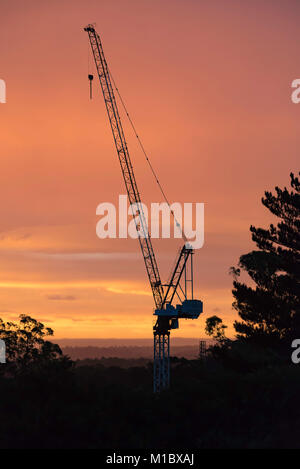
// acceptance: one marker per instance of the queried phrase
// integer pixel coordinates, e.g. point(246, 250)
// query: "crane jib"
point(126, 165)
point(167, 314)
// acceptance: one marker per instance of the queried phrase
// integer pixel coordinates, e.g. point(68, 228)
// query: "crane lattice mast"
point(167, 315)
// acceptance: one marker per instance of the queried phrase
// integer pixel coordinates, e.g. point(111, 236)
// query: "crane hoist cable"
point(90, 77)
point(145, 154)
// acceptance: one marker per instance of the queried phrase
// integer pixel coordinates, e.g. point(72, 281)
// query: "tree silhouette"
point(26, 345)
point(270, 310)
point(215, 328)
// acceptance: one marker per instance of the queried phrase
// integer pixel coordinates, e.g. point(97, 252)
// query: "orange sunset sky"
point(208, 85)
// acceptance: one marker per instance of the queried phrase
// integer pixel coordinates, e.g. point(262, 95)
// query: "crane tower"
point(167, 314)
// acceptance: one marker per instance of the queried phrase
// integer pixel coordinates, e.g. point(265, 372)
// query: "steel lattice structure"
point(167, 315)
point(125, 162)
point(161, 358)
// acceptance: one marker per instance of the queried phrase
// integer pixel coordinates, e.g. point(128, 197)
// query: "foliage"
point(270, 310)
point(208, 406)
point(215, 328)
point(26, 345)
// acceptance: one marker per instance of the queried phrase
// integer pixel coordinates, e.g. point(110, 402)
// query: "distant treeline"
point(208, 406)
point(81, 353)
point(113, 362)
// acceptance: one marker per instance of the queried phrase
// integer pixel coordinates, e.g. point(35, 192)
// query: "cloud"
point(14, 236)
point(61, 297)
point(128, 292)
point(87, 256)
point(87, 319)
point(15, 316)
point(23, 236)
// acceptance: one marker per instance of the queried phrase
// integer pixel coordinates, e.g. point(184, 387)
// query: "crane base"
point(161, 363)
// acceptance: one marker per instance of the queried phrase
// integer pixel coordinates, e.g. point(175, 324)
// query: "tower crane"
point(167, 314)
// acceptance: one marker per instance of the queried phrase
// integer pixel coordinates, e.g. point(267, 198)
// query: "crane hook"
point(91, 77)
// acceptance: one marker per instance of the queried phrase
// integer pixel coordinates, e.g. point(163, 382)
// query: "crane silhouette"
point(167, 314)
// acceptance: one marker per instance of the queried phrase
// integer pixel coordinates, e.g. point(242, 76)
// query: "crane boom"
point(167, 314)
point(126, 166)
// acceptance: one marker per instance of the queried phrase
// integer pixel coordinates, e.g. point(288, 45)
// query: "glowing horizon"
point(208, 87)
